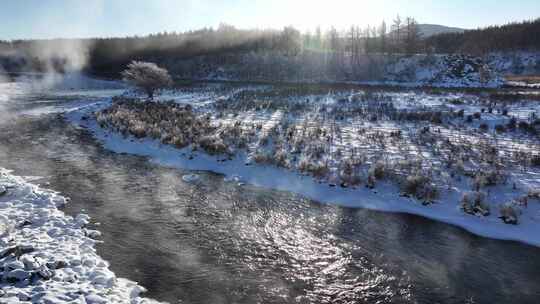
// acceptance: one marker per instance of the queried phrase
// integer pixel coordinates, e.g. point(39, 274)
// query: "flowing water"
point(214, 241)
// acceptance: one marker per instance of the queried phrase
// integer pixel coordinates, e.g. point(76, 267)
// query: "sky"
point(30, 19)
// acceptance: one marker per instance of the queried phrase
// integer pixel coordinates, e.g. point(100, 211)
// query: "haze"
point(35, 19)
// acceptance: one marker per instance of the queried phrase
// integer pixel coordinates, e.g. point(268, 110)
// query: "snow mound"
point(48, 256)
point(190, 178)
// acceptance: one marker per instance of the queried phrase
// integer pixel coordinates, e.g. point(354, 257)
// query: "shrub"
point(319, 170)
point(138, 130)
point(370, 183)
point(169, 122)
point(500, 129)
point(436, 118)
point(523, 125)
point(262, 158)
point(213, 145)
point(535, 160)
point(512, 123)
point(280, 158)
point(487, 178)
point(522, 200)
point(303, 164)
point(101, 119)
point(474, 203)
point(534, 194)
point(349, 174)
point(377, 170)
point(508, 214)
point(178, 140)
point(165, 138)
point(420, 187)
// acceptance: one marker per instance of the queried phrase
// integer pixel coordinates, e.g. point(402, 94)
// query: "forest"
point(515, 36)
point(401, 37)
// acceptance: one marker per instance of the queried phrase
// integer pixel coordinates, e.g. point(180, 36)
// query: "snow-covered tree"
point(146, 76)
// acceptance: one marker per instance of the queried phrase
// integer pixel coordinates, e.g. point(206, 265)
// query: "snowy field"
point(468, 160)
point(50, 257)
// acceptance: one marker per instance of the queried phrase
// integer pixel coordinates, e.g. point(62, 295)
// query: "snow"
point(447, 71)
point(516, 63)
point(418, 70)
point(50, 257)
point(384, 197)
point(190, 178)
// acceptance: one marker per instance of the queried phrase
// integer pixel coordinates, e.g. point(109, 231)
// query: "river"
point(214, 241)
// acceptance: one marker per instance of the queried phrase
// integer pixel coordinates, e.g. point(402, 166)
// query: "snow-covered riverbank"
point(385, 196)
point(50, 257)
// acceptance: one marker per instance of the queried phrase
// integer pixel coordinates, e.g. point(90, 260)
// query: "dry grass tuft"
point(420, 187)
point(474, 203)
point(509, 214)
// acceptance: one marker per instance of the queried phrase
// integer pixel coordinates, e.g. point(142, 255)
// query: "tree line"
point(516, 36)
point(402, 36)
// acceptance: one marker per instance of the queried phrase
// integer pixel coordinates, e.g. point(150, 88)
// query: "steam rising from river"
point(42, 64)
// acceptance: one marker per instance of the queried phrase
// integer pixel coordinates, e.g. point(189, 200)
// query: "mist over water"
point(216, 242)
point(43, 65)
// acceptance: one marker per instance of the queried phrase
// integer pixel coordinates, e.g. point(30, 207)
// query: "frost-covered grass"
point(49, 257)
point(434, 148)
point(171, 123)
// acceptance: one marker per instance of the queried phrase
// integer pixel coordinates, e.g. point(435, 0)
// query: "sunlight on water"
point(312, 258)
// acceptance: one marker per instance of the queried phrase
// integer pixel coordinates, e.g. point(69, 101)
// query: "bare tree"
point(291, 41)
point(307, 43)
point(334, 46)
point(146, 76)
point(367, 40)
point(413, 36)
point(318, 38)
point(382, 37)
point(354, 47)
point(351, 45)
point(396, 31)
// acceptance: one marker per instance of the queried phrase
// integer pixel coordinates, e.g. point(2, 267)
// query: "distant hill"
point(511, 37)
point(429, 30)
